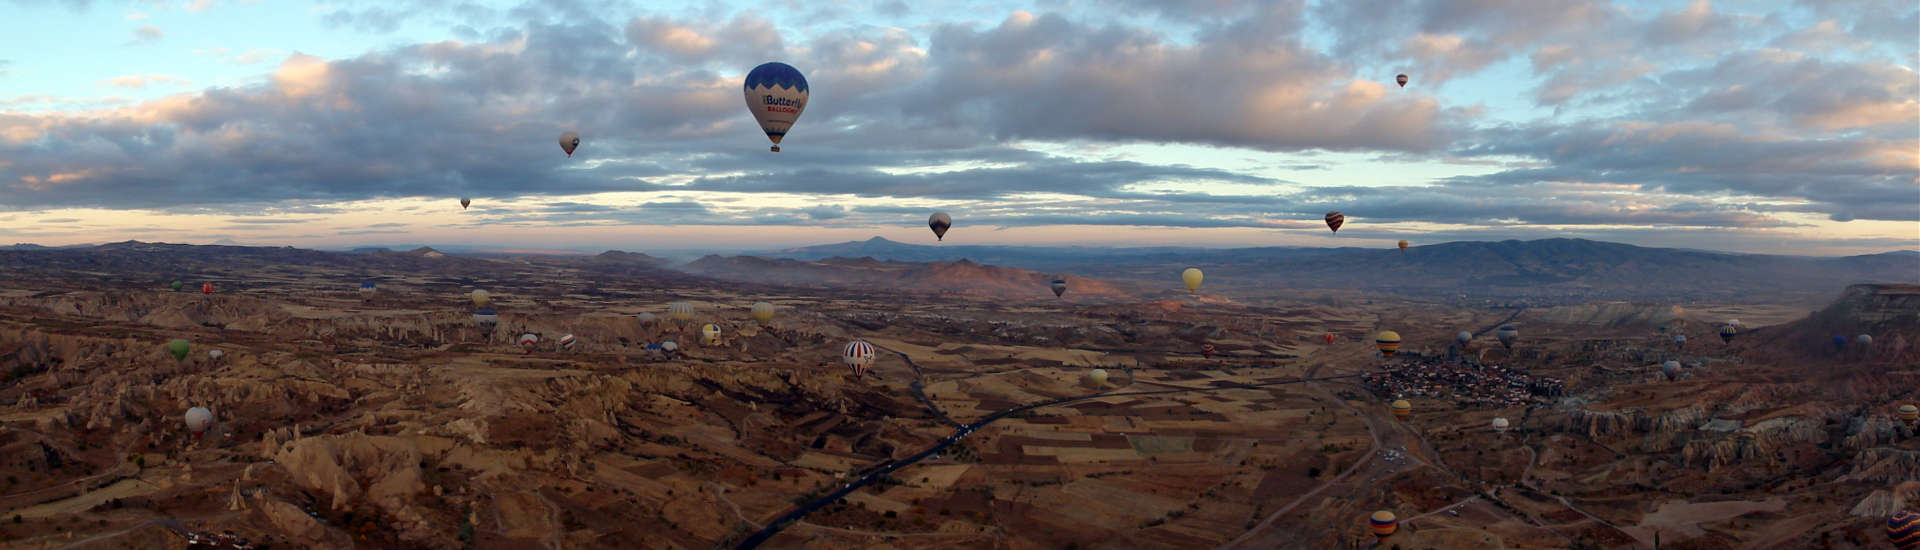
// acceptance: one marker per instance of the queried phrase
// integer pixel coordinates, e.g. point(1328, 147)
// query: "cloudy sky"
point(1790, 126)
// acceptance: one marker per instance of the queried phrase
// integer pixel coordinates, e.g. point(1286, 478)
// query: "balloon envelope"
point(1192, 277)
point(680, 312)
point(858, 356)
point(1507, 336)
point(481, 298)
point(1388, 341)
point(1463, 337)
point(776, 94)
point(1402, 408)
point(1903, 530)
point(1098, 376)
point(567, 341)
point(486, 318)
point(177, 285)
point(568, 142)
point(1335, 220)
point(1059, 287)
point(198, 418)
point(710, 334)
point(1382, 524)
point(1401, 79)
point(940, 222)
point(762, 312)
point(529, 340)
point(1500, 425)
point(179, 349)
point(1403, 246)
point(464, 202)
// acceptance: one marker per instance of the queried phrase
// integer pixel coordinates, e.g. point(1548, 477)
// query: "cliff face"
point(1887, 312)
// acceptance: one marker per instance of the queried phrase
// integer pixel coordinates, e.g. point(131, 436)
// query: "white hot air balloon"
point(528, 341)
point(568, 142)
point(215, 355)
point(680, 312)
point(776, 94)
point(1500, 425)
point(762, 312)
point(858, 356)
point(198, 418)
point(647, 319)
point(1098, 376)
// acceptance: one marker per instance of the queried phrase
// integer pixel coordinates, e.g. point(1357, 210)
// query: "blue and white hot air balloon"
point(776, 94)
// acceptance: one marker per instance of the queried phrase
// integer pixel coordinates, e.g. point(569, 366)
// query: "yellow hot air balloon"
point(481, 298)
point(1909, 414)
point(710, 334)
point(762, 312)
point(1402, 409)
point(1192, 277)
point(1098, 376)
point(1403, 246)
point(1389, 342)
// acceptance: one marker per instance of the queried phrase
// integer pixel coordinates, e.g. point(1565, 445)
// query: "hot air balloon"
point(1383, 524)
point(1335, 220)
point(940, 222)
point(680, 312)
point(1671, 369)
point(206, 288)
point(710, 335)
point(1507, 336)
point(858, 356)
point(1909, 414)
point(1206, 350)
point(485, 318)
point(647, 319)
point(1389, 342)
point(776, 94)
point(566, 341)
point(1726, 333)
point(1403, 245)
point(179, 349)
point(1192, 276)
point(762, 312)
point(1864, 340)
point(1903, 530)
point(1402, 409)
point(465, 202)
point(1499, 425)
point(568, 142)
point(1059, 287)
point(481, 298)
point(366, 289)
point(528, 341)
point(1839, 343)
point(1679, 340)
point(1098, 376)
point(177, 285)
point(198, 418)
point(1663, 329)
point(669, 346)
point(215, 355)
point(1327, 338)
point(1735, 323)
point(1463, 338)
point(1402, 79)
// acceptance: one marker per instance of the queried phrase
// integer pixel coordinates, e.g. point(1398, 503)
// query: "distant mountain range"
point(1541, 272)
point(1550, 270)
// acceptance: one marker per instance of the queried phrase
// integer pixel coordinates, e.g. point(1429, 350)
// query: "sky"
point(1750, 126)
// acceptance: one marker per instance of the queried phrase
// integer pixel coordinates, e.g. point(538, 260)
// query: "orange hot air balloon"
point(206, 288)
point(1383, 524)
point(1389, 342)
point(1402, 409)
point(1403, 246)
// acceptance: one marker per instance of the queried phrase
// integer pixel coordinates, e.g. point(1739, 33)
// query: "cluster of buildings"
point(1490, 385)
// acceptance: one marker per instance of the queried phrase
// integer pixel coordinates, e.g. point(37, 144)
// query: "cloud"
point(147, 34)
point(143, 80)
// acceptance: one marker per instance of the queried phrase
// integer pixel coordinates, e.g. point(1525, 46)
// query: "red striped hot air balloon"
point(858, 356)
point(1903, 530)
point(1206, 350)
point(1383, 523)
point(1401, 79)
point(1335, 220)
